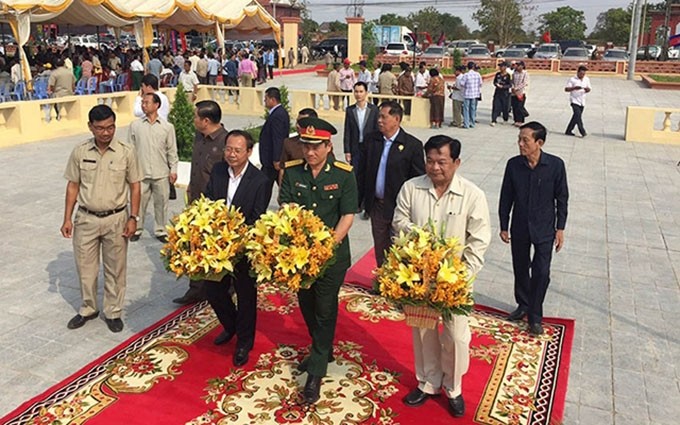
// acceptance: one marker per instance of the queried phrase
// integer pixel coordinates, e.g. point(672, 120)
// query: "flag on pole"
point(442, 39)
point(546, 37)
point(674, 40)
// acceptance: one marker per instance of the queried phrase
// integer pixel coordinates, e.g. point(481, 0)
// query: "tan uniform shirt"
point(62, 81)
point(156, 147)
point(202, 67)
point(292, 149)
point(207, 151)
point(462, 212)
point(333, 82)
point(103, 178)
point(387, 82)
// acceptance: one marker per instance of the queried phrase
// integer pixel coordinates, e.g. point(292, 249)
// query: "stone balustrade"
point(36, 120)
point(652, 125)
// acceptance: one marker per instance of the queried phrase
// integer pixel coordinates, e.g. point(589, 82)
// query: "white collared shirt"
point(234, 181)
point(361, 118)
point(578, 97)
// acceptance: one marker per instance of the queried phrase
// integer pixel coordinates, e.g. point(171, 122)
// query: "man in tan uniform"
point(101, 173)
point(61, 83)
point(156, 145)
point(333, 85)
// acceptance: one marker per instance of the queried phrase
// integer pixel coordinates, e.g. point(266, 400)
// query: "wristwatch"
point(135, 217)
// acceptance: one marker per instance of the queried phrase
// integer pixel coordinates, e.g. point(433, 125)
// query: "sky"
point(330, 10)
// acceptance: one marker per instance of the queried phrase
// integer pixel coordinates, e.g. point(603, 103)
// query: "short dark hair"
point(209, 109)
point(273, 93)
point(433, 72)
point(439, 141)
point(156, 98)
point(250, 143)
point(362, 84)
point(150, 80)
point(538, 129)
point(308, 112)
point(100, 113)
point(582, 68)
point(395, 108)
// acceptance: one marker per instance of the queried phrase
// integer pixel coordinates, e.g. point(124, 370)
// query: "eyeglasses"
point(100, 129)
point(234, 150)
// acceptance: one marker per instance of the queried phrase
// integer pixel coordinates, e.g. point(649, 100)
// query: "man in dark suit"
point(361, 119)
point(275, 129)
point(393, 156)
point(535, 191)
point(242, 185)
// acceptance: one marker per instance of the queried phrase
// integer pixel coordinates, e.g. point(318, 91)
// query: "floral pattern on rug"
point(139, 371)
point(271, 298)
point(372, 308)
point(351, 393)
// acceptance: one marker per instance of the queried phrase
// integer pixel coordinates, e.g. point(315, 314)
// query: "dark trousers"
point(319, 307)
point(518, 110)
point(501, 106)
point(240, 320)
point(532, 276)
point(358, 162)
point(576, 119)
point(212, 80)
point(381, 228)
point(270, 68)
point(272, 175)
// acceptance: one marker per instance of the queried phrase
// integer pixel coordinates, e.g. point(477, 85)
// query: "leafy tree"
point(182, 117)
point(565, 23)
point(369, 42)
point(309, 27)
point(502, 20)
point(393, 19)
point(435, 23)
point(337, 27)
point(613, 25)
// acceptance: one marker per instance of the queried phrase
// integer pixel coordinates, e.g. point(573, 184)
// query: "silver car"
point(547, 51)
point(435, 52)
point(615, 55)
point(576, 54)
point(478, 53)
point(515, 54)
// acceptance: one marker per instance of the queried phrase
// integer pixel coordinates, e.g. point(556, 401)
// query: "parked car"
point(399, 49)
point(528, 47)
point(478, 53)
point(615, 55)
point(648, 53)
point(461, 45)
point(434, 52)
point(576, 54)
point(591, 49)
point(548, 51)
point(515, 54)
point(674, 53)
point(329, 45)
point(567, 44)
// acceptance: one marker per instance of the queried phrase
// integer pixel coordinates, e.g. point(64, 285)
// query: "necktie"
point(380, 180)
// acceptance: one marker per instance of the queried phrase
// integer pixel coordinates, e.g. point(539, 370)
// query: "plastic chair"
point(81, 86)
point(4, 91)
point(40, 88)
point(19, 91)
point(91, 87)
point(173, 81)
point(108, 85)
point(121, 82)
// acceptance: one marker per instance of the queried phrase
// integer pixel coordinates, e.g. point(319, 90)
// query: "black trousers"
point(270, 68)
point(501, 106)
point(381, 229)
point(240, 320)
point(518, 110)
point(359, 162)
point(576, 119)
point(532, 275)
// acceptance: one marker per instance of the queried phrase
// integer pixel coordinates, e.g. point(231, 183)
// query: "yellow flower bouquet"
point(424, 273)
point(290, 248)
point(205, 241)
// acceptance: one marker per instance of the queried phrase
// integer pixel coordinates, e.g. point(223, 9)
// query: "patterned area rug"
point(172, 373)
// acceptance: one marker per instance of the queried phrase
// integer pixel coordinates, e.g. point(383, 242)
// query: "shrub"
point(182, 117)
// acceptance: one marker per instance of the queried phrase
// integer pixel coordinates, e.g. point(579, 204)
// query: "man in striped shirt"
point(472, 91)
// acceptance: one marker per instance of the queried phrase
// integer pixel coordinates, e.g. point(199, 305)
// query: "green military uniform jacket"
point(332, 194)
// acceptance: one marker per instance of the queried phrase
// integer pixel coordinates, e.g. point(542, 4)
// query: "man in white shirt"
point(422, 79)
point(213, 69)
point(459, 207)
point(150, 85)
point(189, 80)
point(577, 87)
point(364, 74)
point(194, 61)
point(15, 72)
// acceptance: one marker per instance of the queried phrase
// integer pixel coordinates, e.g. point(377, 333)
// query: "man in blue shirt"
point(535, 191)
point(270, 57)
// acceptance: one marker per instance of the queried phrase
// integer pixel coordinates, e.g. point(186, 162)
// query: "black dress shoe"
point(78, 320)
point(416, 398)
point(223, 338)
point(312, 391)
point(457, 406)
point(569, 133)
point(162, 238)
point(186, 299)
point(304, 364)
point(536, 329)
point(135, 237)
point(115, 325)
point(241, 356)
point(516, 315)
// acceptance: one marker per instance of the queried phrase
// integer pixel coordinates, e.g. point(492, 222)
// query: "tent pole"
point(99, 47)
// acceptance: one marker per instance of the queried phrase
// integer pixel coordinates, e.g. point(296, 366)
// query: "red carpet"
point(361, 272)
point(171, 373)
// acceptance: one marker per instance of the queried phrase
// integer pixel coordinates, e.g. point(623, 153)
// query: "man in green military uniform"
point(329, 189)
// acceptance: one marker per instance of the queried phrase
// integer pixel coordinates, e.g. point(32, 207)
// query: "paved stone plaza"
point(618, 274)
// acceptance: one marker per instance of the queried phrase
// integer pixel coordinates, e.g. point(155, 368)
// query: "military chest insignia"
point(343, 166)
point(293, 163)
point(401, 148)
point(302, 185)
point(333, 186)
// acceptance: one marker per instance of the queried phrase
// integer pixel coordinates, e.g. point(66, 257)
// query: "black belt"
point(101, 214)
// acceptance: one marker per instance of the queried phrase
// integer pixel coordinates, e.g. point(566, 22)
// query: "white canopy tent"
point(236, 18)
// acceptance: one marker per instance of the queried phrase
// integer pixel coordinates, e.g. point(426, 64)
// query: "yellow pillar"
point(290, 36)
point(354, 38)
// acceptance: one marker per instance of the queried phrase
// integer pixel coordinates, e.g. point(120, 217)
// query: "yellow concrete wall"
point(640, 125)
point(290, 36)
point(354, 38)
point(35, 120)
